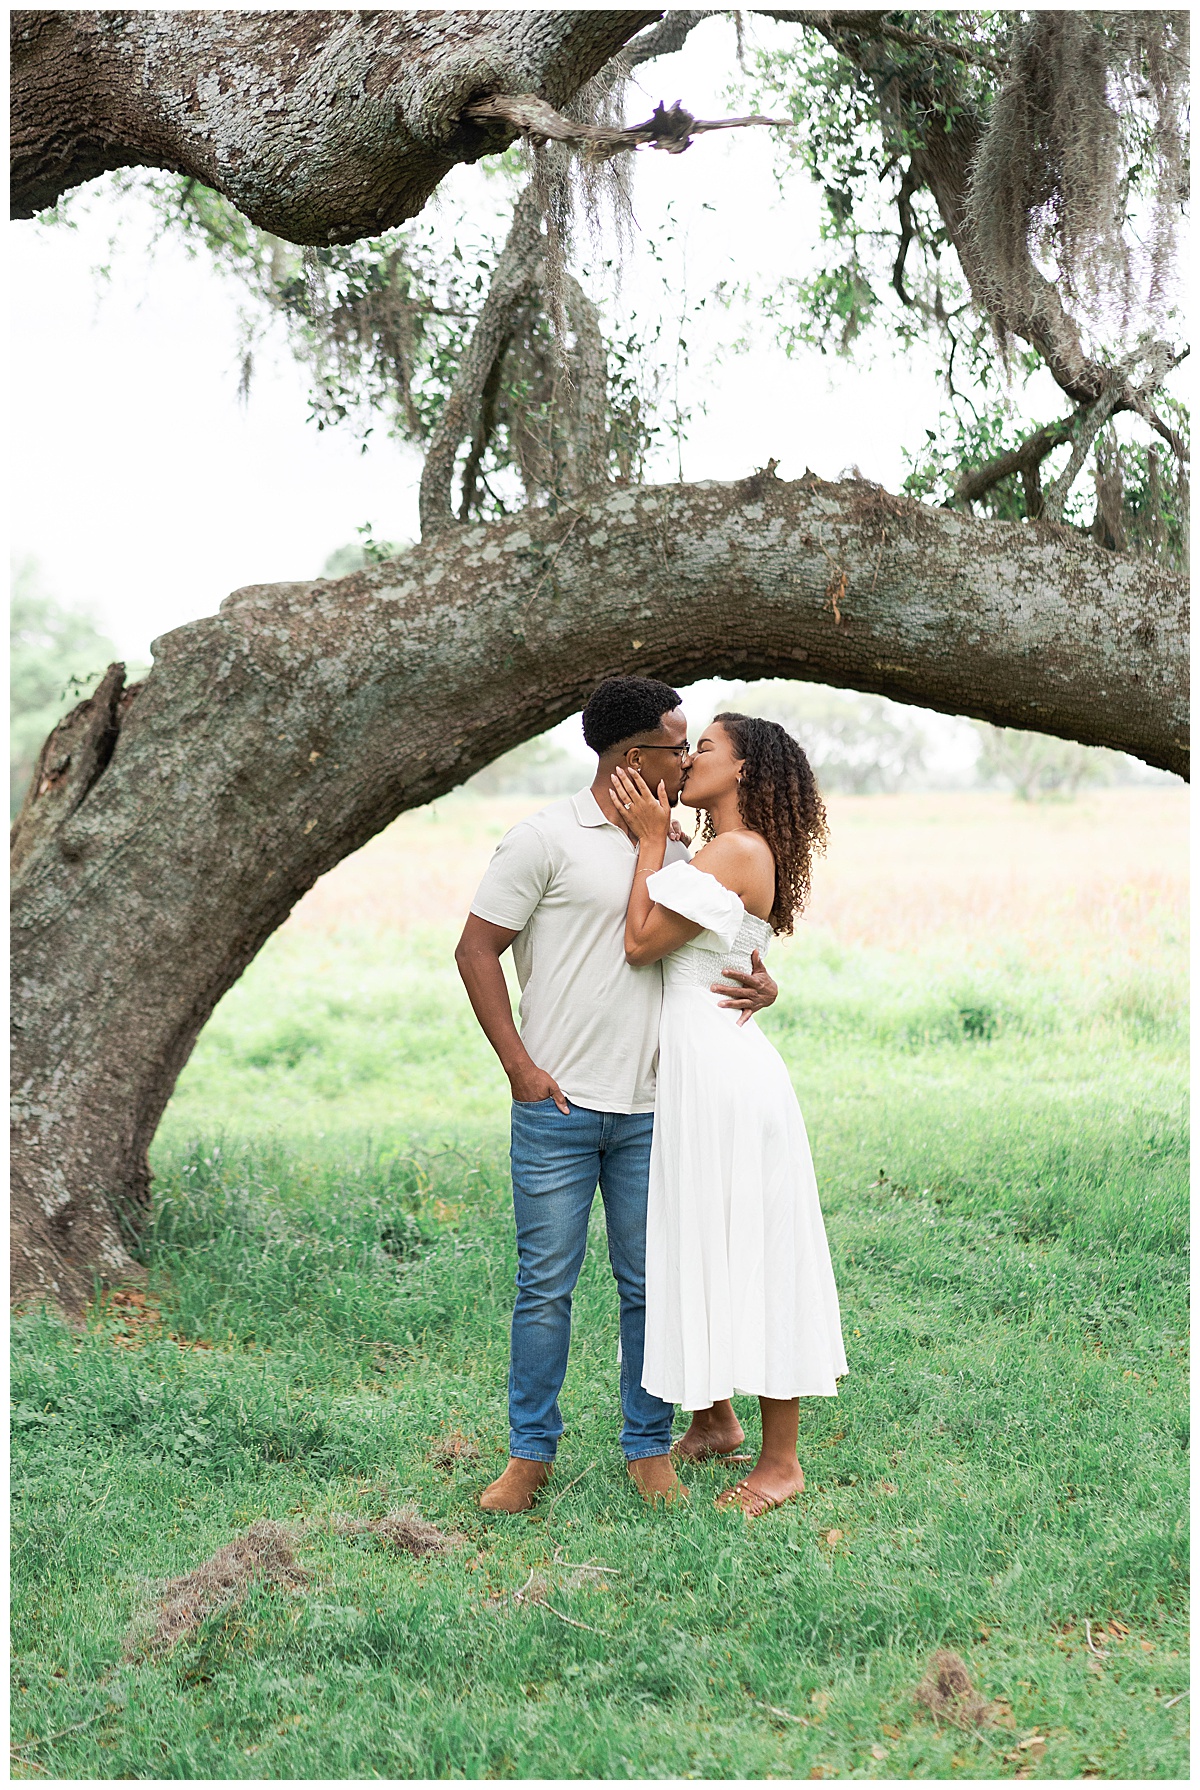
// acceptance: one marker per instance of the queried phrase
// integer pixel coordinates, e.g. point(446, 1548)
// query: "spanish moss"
point(1088, 127)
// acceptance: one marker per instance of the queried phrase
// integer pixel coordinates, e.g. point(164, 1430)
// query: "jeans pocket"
point(530, 1106)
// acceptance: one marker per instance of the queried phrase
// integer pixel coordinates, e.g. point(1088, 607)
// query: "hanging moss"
point(1088, 124)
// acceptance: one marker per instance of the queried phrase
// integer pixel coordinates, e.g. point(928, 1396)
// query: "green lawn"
point(1000, 1144)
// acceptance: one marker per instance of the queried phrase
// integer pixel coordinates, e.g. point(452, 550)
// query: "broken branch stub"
point(668, 127)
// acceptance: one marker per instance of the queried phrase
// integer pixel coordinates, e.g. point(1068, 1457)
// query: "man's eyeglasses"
point(679, 751)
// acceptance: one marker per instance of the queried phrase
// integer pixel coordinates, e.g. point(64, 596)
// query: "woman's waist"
point(691, 1008)
point(700, 969)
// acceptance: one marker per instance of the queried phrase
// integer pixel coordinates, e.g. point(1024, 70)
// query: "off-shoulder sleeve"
point(699, 897)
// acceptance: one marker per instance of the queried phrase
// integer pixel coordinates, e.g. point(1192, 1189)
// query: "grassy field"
point(985, 1022)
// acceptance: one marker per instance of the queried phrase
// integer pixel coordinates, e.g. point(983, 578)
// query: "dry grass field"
point(903, 871)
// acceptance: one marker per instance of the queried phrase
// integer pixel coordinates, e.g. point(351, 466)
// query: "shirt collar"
point(588, 811)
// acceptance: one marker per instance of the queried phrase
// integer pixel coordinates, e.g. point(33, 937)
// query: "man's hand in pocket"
point(533, 1084)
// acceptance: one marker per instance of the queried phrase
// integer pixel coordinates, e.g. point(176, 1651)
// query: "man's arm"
point(754, 991)
point(478, 958)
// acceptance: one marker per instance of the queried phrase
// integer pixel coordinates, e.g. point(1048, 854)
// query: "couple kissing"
point(639, 1069)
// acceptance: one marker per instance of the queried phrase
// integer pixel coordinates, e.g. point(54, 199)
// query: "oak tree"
point(171, 825)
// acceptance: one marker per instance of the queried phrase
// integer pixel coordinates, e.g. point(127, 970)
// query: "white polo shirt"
point(561, 880)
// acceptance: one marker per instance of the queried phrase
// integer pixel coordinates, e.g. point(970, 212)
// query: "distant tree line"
point(860, 745)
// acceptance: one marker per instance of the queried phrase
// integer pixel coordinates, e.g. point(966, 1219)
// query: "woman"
point(740, 1294)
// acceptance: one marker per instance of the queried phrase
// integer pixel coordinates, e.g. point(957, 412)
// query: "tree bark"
point(273, 739)
point(323, 127)
point(512, 276)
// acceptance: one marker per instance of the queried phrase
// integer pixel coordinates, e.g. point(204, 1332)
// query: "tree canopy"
point(1005, 186)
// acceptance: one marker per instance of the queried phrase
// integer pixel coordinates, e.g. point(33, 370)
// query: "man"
point(582, 1073)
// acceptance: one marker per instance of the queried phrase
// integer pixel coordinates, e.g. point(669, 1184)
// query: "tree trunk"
point(323, 127)
point(167, 837)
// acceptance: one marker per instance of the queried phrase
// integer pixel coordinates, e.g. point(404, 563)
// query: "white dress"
point(740, 1295)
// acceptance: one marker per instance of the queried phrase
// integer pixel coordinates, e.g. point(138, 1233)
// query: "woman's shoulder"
point(745, 864)
point(740, 850)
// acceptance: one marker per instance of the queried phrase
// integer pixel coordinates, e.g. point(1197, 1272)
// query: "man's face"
point(660, 757)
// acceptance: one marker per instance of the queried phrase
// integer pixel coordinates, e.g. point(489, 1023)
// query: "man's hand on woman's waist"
point(756, 989)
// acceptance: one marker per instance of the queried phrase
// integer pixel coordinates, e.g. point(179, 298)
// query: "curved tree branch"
point(908, 187)
point(875, 25)
point(1081, 429)
point(1024, 459)
point(1118, 393)
point(274, 738)
point(1178, 445)
point(1088, 425)
point(322, 127)
point(1140, 398)
point(462, 412)
point(663, 39)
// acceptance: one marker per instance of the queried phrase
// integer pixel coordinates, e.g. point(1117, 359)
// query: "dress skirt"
point(740, 1294)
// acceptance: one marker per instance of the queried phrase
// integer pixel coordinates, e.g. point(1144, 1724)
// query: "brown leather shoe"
point(656, 1479)
point(517, 1487)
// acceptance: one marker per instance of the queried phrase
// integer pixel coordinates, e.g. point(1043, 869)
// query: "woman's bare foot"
point(711, 1433)
point(776, 1476)
point(769, 1484)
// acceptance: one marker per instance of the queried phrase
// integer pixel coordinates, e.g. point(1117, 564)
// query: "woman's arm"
point(651, 932)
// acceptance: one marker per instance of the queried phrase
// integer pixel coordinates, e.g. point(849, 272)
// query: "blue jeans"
point(557, 1160)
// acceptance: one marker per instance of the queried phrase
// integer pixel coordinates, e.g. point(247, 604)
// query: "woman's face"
point(712, 770)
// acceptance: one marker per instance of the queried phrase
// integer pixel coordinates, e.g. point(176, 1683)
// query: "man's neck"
point(602, 791)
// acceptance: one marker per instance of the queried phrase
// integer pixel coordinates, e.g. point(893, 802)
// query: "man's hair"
point(622, 707)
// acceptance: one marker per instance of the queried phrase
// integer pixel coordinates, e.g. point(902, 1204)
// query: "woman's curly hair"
point(779, 798)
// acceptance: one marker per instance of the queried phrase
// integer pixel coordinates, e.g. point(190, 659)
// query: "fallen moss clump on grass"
point(405, 1530)
point(262, 1555)
point(947, 1692)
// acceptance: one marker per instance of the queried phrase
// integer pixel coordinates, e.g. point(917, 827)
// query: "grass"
point(998, 1122)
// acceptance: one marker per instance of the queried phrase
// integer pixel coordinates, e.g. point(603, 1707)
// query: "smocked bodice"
point(700, 962)
point(730, 933)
